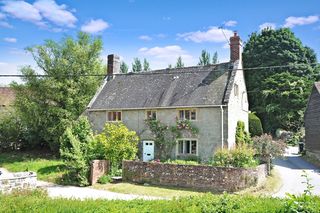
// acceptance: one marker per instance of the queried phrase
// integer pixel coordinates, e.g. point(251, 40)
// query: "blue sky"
point(159, 30)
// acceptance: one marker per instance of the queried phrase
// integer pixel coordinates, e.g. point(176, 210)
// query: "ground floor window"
point(187, 146)
point(114, 116)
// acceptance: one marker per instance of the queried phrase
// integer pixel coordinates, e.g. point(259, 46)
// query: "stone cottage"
point(7, 97)
point(312, 123)
point(213, 98)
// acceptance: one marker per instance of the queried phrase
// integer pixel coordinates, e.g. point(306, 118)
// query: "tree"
point(278, 95)
point(179, 63)
point(46, 105)
point(136, 65)
point(204, 59)
point(123, 67)
point(169, 66)
point(215, 58)
point(146, 65)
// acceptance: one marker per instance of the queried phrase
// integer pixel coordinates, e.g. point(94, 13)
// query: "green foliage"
point(75, 151)
point(279, 95)
point(11, 131)
point(179, 63)
point(123, 67)
point(46, 105)
point(204, 58)
point(185, 125)
point(104, 179)
point(116, 143)
point(215, 58)
point(182, 162)
point(242, 136)
point(266, 147)
point(136, 65)
point(255, 126)
point(146, 65)
point(296, 137)
point(241, 156)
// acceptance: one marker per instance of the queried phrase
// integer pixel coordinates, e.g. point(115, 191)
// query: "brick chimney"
point(113, 65)
point(235, 47)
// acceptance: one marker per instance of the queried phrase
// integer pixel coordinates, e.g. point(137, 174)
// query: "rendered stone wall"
point(98, 168)
point(201, 177)
point(19, 180)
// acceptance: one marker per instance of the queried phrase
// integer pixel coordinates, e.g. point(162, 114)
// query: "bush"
point(104, 179)
point(266, 147)
point(255, 126)
point(74, 150)
point(242, 136)
point(241, 156)
point(116, 143)
point(182, 162)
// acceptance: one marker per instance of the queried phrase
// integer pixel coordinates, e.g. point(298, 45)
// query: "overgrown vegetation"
point(39, 202)
point(242, 136)
point(255, 126)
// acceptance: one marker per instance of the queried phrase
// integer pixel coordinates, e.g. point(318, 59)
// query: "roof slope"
point(7, 96)
point(190, 86)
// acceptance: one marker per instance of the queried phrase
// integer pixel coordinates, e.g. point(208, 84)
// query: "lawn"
point(48, 168)
point(147, 190)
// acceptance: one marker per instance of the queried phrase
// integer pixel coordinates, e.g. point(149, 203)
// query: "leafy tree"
point(204, 58)
point(123, 67)
point(242, 136)
point(117, 143)
point(170, 66)
point(46, 105)
point(136, 65)
point(179, 63)
point(255, 126)
point(146, 65)
point(215, 58)
point(279, 95)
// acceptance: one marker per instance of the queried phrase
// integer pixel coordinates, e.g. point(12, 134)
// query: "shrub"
point(242, 136)
point(266, 147)
point(255, 126)
point(241, 156)
point(182, 162)
point(74, 149)
point(116, 143)
point(104, 179)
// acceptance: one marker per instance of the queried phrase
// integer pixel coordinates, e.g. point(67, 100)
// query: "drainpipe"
point(222, 139)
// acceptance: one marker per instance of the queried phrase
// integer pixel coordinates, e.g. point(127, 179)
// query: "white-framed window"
point(187, 114)
point(151, 114)
point(187, 147)
point(114, 116)
point(236, 90)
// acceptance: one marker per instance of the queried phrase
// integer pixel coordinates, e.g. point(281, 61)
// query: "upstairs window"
point(187, 114)
point(151, 114)
point(236, 90)
point(114, 116)
point(187, 147)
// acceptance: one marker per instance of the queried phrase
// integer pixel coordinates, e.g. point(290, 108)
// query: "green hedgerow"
point(255, 126)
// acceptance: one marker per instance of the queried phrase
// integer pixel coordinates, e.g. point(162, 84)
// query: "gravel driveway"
point(291, 168)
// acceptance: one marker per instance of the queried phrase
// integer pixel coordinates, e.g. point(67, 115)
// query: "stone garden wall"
point(98, 168)
point(201, 177)
point(18, 180)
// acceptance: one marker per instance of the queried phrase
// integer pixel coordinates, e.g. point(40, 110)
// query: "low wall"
point(202, 177)
point(18, 180)
point(98, 168)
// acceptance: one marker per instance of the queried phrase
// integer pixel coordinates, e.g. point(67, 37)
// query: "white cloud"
point(10, 40)
point(230, 23)
point(2, 16)
point(22, 10)
point(267, 25)
point(161, 35)
point(5, 24)
point(160, 57)
point(166, 18)
point(213, 34)
point(3, 63)
point(296, 21)
point(57, 14)
point(145, 38)
point(95, 26)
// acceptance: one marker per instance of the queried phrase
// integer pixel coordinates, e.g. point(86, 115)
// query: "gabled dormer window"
point(187, 114)
point(114, 116)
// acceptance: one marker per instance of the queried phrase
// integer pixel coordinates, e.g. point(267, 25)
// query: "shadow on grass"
point(52, 169)
point(20, 156)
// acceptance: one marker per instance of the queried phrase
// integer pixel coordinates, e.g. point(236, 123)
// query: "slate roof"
point(7, 96)
point(190, 86)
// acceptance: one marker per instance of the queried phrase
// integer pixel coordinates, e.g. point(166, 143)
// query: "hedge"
point(255, 126)
point(37, 202)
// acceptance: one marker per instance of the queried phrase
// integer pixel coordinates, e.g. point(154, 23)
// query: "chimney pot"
point(113, 66)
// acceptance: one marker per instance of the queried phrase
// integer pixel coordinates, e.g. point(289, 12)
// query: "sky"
point(158, 30)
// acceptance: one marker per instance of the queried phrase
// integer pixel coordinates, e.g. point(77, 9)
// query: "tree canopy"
point(136, 65)
point(123, 67)
point(146, 65)
point(279, 95)
point(45, 105)
point(179, 63)
point(204, 58)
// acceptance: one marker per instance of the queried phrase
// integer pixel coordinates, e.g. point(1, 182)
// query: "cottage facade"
point(312, 123)
point(7, 97)
point(213, 98)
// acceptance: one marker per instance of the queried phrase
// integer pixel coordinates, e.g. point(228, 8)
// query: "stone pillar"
point(98, 168)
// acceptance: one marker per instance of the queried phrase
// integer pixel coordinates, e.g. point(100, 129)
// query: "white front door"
point(148, 150)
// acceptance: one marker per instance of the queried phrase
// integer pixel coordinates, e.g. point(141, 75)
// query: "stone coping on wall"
point(200, 177)
point(17, 180)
